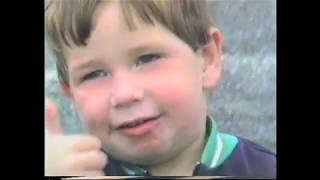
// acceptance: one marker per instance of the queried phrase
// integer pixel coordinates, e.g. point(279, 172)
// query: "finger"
point(86, 161)
point(52, 118)
point(82, 143)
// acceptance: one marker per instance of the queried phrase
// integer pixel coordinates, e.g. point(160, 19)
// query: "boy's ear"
point(65, 90)
point(212, 55)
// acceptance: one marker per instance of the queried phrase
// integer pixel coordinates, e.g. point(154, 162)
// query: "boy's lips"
point(138, 126)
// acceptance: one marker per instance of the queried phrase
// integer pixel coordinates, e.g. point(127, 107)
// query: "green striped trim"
point(229, 143)
point(219, 146)
point(210, 147)
point(133, 170)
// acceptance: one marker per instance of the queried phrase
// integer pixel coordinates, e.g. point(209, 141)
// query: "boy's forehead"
point(110, 22)
point(109, 17)
point(109, 27)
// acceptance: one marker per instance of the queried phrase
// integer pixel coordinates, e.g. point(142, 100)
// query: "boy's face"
point(121, 78)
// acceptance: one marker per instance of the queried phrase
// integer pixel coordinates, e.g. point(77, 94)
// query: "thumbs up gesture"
point(70, 155)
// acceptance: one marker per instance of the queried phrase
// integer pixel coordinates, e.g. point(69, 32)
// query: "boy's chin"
point(146, 158)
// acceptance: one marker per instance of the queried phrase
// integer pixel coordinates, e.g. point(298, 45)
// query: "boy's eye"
point(147, 59)
point(93, 75)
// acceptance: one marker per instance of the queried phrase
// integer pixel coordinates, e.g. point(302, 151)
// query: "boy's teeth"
point(131, 125)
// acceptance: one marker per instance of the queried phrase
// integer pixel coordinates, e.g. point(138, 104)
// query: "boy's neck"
point(182, 165)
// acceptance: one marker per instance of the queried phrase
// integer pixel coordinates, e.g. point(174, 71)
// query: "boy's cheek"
point(174, 94)
point(93, 105)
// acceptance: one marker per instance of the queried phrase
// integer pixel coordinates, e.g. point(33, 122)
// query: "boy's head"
point(137, 71)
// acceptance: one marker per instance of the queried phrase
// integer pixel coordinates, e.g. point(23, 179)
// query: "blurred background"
point(244, 104)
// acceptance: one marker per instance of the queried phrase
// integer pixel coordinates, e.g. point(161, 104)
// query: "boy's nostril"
point(119, 99)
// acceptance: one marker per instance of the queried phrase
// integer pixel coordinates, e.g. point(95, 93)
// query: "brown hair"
point(69, 22)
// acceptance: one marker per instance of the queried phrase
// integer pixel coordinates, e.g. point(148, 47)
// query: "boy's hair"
point(69, 22)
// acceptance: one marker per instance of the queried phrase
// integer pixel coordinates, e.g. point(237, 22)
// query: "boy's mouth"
point(139, 126)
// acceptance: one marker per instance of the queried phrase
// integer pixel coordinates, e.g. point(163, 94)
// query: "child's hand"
point(70, 155)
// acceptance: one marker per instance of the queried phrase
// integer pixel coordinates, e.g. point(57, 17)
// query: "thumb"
point(52, 118)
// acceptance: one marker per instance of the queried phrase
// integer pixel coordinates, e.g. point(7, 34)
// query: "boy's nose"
point(125, 92)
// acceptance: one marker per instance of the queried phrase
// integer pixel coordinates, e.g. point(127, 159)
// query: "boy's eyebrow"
point(143, 49)
point(144, 46)
point(138, 50)
point(90, 63)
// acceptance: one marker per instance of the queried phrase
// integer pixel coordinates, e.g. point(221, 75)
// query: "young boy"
point(139, 72)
